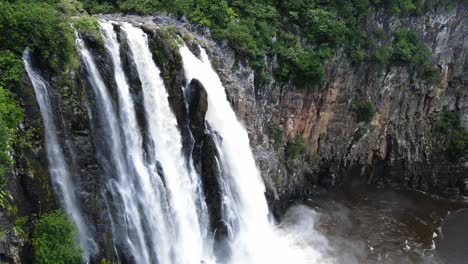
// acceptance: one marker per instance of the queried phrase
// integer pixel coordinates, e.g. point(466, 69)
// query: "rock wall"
point(398, 147)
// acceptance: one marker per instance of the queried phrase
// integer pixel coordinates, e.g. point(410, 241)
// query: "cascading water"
point(159, 206)
point(152, 193)
point(254, 237)
point(148, 180)
point(181, 183)
point(122, 187)
point(58, 168)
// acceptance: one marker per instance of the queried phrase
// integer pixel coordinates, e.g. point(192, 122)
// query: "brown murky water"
point(452, 245)
point(394, 226)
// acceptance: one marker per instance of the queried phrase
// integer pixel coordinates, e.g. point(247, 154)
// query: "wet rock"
point(198, 105)
point(210, 174)
point(11, 242)
point(164, 46)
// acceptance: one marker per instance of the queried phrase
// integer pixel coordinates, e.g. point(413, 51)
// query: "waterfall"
point(150, 183)
point(123, 185)
point(151, 192)
point(156, 210)
point(254, 238)
point(182, 183)
point(58, 168)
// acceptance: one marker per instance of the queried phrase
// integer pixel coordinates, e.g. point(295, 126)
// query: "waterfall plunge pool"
point(383, 225)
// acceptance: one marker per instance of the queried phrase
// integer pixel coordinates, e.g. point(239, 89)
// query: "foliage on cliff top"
point(54, 240)
point(42, 27)
point(302, 33)
point(88, 26)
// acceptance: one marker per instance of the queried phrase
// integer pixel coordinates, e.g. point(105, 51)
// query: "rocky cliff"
point(398, 146)
point(336, 150)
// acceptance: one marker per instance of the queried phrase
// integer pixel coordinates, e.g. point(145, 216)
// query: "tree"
point(54, 240)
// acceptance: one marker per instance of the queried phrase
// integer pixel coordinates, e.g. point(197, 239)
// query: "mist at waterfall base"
point(153, 195)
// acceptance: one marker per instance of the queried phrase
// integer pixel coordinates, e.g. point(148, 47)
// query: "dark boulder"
point(197, 107)
point(210, 174)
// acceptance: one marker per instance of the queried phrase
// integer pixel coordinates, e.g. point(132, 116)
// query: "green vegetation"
point(364, 111)
point(295, 148)
point(20, 223)
point(138, 6)
point(11, 68)
point(276, 134)
point(10, 116)
point(107, 261)
point(41, 27)
point(5, 199)
point(448, 124)
point(54, 240)
point(382, 55)
point(44, 28)
point(446, 121)
point(301, 33)
point(88, 26)
point(412, 7)
point(407, 48)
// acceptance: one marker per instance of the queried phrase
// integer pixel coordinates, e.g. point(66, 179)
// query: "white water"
point(123, 186)
point(190, 244)
point(152, 193)
point(254, 236)
point(152, 190)
point(58, 168)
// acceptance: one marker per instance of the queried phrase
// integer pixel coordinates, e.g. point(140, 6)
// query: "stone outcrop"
point(198, 104)
point(397, 147)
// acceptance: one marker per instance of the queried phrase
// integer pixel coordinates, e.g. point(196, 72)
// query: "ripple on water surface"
point(393, 226)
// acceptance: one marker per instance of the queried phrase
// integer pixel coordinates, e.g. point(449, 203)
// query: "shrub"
point(324, 27)
point(407, 48)
point(303, 67)
point(54, 240)
point(276, 135)
point(138, 6)
point(448, 124)
point(364, 111)
point(39, 26)
point(11, 68)
point(446, 121)
point(70, 7)
point(296, 147)
point(382, 55)
point(88, 26)
point(430, 74)
point(96, 7)
point(10, 116)
point(458, 145)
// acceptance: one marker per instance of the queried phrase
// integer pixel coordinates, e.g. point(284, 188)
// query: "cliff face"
point(398, 146)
